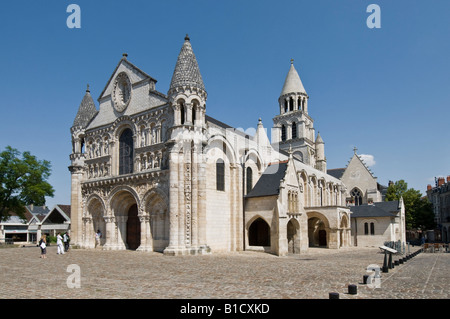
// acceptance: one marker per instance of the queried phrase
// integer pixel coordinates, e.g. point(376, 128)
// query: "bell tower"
point(293, 127)
point(86, 112)
point(187, 100)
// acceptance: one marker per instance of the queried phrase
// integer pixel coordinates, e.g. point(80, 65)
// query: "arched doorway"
point(293, 236)
point(126, 233)
point(92, 222)
point(317, 232)
point(259, 233)
point(133, 228)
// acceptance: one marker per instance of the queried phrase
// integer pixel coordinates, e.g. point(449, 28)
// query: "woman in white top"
point(59, 243)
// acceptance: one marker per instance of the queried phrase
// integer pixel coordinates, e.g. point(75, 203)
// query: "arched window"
point(372, 228)
point(182, 114)
point(249, 179)
point(283, 133)
point(291, 104)
point(286, 106)
point(220, 175)
point(366, 228)
point(356, 194)
point(299, 104)
point(194, 111)
point(126, 152)
point(294, 130)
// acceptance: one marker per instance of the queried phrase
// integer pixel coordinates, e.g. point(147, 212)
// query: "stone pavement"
point(248, 275)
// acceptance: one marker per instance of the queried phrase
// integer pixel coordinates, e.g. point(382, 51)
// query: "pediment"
point(135, 75)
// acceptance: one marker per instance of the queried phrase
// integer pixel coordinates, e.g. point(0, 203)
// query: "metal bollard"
point(333, 295)
point(365, 277)
point(352, 289)
point(385, 266)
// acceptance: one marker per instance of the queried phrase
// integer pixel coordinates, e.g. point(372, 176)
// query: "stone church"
point(153, 172)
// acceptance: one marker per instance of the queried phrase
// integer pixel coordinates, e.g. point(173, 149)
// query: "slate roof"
point(336, 172)
point(269, 182)
point(187, 72)
point(86, 111)
point(378, 209)
point(65, 209)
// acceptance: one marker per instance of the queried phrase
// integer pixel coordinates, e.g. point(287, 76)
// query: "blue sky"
point(385, 91)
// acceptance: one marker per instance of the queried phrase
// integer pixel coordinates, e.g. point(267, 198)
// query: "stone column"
point(188, 112)
point(194, 197)
point(110, 233)
point(333, 241)
point(86, 232)
point(173, 203)
point(146, 234)
point(122, 232)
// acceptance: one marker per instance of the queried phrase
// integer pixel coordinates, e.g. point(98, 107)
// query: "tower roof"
point(292, 84)
point(319, 139)
point(86, 111)
point(187, 72)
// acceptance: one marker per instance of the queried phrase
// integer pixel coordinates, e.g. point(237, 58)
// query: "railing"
point(6, 241)
point(397, 245)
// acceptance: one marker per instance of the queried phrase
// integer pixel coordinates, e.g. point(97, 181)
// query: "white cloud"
point(369, 160)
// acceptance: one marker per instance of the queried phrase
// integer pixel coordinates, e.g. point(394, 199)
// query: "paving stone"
point(254, 275)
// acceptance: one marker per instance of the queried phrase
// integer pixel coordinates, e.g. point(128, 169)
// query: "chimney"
point(441, 181)
point(448, 178)
point(429, 187)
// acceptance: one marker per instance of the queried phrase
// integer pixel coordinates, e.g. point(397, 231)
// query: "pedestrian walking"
point(43, 246)
point(98, 235)
point(59, 244)
point(66, 240)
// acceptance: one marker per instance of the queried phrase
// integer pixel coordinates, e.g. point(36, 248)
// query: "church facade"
point(153, 172)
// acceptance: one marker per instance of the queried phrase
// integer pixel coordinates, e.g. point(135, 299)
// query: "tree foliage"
point(418, 210)
point(23, 181)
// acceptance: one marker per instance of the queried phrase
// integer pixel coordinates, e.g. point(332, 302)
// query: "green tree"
point(418, 211)
point(23, 181)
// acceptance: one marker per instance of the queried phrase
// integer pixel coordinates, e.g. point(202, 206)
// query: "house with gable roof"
point(38, 220)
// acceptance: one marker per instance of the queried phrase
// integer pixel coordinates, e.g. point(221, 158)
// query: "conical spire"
point(86, 111)
point(319, 139)
point(292, 84)
point(187, 72)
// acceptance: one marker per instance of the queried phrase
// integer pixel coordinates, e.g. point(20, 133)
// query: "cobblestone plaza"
point(243, 275)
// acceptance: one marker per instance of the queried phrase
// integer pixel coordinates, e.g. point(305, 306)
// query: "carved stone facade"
point(153, 172)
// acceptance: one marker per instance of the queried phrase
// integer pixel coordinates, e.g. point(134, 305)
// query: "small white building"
point(38, 220)
point(375, 224)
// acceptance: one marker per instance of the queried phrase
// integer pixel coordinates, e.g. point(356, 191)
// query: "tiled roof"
point(187, 72)
point(269, 182)
point(336, 172)
point(86, 111)
point(378, 209)
point(65, 209)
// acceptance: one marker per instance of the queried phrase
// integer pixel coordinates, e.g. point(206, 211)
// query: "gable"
point(134, 73)
point(358, 175)
point(142, 95)
point(56, 216)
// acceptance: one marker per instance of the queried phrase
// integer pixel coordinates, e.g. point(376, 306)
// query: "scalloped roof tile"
point(86, 111)
point(187, 72)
